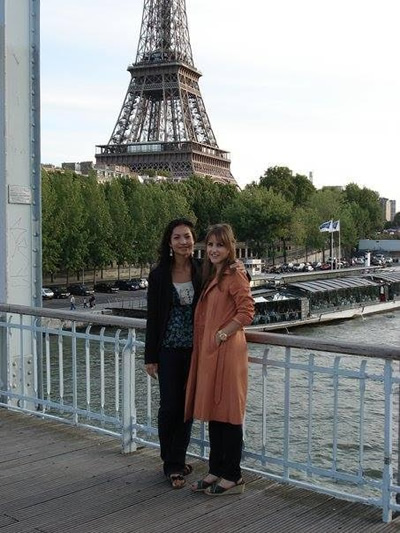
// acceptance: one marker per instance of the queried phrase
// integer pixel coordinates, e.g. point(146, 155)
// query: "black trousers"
point(173, 432)
point(226, 443)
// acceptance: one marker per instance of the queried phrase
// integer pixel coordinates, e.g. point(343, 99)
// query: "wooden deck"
point(59, 479)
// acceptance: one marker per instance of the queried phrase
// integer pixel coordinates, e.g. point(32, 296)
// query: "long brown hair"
point(224, 234)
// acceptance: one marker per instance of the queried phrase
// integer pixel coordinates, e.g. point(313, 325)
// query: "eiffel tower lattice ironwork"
point(163, 123)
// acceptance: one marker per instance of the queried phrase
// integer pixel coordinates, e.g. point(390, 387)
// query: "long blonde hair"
point(224, 234)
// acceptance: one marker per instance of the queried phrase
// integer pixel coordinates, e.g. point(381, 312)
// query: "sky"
point(313, 85)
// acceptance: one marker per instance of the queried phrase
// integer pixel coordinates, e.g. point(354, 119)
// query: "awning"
point(387, 276)
point(325, 285)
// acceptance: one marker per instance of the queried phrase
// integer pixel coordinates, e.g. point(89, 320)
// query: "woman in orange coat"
point(217, 384)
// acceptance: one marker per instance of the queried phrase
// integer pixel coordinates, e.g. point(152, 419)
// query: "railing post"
point(128, 395)
point(387, 477)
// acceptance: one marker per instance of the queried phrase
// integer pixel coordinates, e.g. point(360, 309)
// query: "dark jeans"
point(173, 432)
point(226, 442)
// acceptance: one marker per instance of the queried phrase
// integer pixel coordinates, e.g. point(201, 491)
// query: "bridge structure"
point(20, 199)
point(85, 370)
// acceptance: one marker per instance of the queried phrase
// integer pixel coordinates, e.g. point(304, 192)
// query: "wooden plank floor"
point(59, 479)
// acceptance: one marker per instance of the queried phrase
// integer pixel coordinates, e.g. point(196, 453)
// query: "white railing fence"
point(320, 415)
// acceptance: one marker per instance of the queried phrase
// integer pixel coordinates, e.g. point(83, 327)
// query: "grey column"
point(20, 205)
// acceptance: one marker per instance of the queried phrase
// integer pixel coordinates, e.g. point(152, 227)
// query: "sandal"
point(201, 485)
point(177, 481)
point(187, 469)
point(217, 490)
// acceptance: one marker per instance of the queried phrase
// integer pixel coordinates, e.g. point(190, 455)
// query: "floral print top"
point(179, 331)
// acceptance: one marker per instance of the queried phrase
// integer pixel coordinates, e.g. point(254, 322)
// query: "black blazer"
point(159, 302)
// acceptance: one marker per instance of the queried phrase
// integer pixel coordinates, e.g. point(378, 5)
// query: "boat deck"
point(58, 479)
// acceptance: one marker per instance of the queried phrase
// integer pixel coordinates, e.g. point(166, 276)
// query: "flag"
point(326, 226)
point(336, 225)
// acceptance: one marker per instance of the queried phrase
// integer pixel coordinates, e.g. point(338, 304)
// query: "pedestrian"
point(85, 304)
point(174, 287)
point(217, 383)
point(92, 301)
point(72, 303)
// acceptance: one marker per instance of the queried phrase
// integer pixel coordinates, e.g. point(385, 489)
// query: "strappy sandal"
point(201, 485)
point(217, 490)
point(177, 481)
point(187, 469)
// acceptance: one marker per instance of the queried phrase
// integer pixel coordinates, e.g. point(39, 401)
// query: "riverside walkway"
point(55, 478)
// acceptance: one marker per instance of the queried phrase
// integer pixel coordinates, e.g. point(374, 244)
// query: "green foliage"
point(259, 216)
point(296, 189)
point(88, 224)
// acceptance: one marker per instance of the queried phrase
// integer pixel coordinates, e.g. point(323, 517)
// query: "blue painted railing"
point(320, 415)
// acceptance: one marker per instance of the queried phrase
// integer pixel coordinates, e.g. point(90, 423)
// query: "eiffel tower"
point(163, 123)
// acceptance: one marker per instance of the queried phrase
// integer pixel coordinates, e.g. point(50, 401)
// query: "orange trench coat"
point(217, 382)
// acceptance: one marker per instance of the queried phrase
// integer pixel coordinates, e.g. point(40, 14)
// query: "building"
point(389, 247)
point(388, 209)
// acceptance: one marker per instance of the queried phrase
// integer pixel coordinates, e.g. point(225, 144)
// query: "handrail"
point(75, 316)
point(277, 339)
point(352, 348)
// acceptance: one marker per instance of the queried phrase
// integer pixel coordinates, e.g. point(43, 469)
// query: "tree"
point(396, 220)
point(51, 227)
point(98, 224)
point(122, 230)
point(296, 189)
point(366, 209)
point(259, 217)
point(70, 217)
point(207, 200)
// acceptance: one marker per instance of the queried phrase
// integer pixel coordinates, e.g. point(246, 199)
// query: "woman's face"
point(182, 242)
point(217, 252)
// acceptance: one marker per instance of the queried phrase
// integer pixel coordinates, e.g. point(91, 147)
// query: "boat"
point(315, 301)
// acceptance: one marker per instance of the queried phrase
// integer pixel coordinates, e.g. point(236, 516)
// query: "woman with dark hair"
point(174, 287)
point(217, 382)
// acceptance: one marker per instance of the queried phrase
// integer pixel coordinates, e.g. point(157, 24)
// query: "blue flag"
point(326, 226)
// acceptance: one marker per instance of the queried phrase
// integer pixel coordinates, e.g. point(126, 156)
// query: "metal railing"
point(320, 415)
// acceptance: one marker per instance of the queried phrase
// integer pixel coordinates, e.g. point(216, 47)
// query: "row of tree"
point(87, 224)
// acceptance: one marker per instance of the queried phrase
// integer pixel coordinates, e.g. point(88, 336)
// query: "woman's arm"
point(152, 325)
point(239, 288)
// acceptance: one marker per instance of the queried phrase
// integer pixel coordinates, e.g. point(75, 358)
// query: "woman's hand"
point(152, 370)
point(220, 336)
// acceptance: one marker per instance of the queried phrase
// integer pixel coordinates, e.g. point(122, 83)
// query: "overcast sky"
point(313, 85)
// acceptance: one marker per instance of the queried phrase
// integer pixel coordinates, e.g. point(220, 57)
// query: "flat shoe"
point(187, 469)
point(177, 481)
point(201, 485)
point(217, 490)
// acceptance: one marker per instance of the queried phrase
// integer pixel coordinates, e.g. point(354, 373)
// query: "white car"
point(47, 294)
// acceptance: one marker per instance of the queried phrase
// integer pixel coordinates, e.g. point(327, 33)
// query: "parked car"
point(61, 292)
point(316, 265)
point(126, 285)
point(105, 287)
point(141, 282)
point(298, 267)
point(80, 289)
point(47, 294)
point(326, 266)
point(359, 261)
